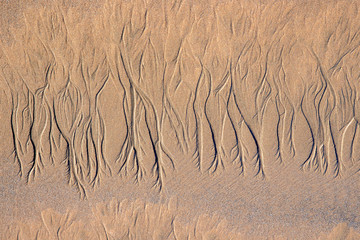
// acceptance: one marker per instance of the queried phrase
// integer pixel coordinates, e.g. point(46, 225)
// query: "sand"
point(153, 119)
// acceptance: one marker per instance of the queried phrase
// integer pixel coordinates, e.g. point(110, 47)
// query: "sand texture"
point(180, 119)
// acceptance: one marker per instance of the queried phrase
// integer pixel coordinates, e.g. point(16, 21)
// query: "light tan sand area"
point(180, 119)
point(137, 220)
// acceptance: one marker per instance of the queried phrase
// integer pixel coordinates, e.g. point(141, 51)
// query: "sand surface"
point(180, 119)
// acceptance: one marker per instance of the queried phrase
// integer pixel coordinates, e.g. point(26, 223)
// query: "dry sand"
point(152, 119)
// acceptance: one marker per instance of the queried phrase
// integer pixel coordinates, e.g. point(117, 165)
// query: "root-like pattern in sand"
point(220, 73)
point(21, 121)
point(68, 117)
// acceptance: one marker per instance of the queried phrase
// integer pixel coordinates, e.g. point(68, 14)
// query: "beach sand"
point(180, 119)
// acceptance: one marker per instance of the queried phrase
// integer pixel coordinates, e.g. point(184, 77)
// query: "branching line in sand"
point(65, 105)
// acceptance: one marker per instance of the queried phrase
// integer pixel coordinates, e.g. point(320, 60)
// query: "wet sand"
point(180, 120)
